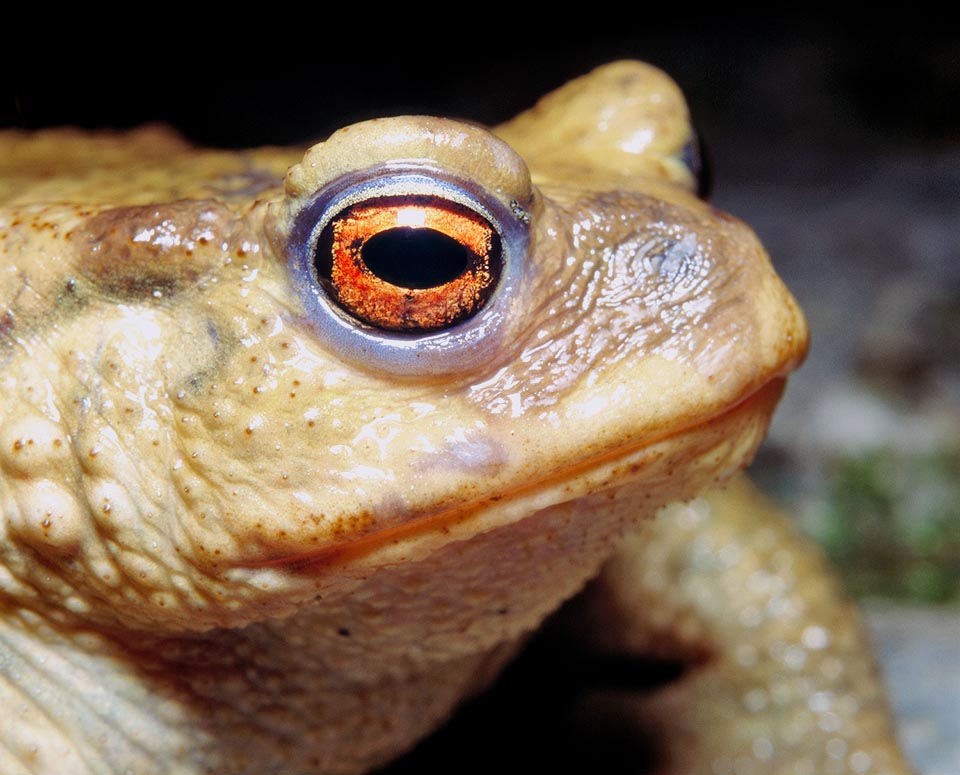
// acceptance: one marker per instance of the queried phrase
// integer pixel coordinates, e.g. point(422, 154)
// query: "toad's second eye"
point(410, 263)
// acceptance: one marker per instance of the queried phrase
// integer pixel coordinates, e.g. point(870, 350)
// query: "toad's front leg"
point(779, 677)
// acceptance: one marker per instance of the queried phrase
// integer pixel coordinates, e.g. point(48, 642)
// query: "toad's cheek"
point(632, 481)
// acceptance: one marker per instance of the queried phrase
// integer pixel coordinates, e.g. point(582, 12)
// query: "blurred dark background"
point(839, 142)
point(829, 81)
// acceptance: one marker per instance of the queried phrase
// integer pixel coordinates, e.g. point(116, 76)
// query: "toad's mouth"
point(679, 464)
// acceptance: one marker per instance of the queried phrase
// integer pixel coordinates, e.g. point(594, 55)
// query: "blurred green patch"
point(892, 524)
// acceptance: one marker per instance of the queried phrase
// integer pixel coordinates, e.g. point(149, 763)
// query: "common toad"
point(293, 461)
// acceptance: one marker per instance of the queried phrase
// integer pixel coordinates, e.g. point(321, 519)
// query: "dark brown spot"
point(133, 252)
point(6, 322)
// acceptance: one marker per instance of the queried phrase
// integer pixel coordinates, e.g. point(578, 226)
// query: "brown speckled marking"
point(157, 250)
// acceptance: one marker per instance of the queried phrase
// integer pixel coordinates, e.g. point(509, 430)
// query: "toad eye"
point(408, 269)
point(409, 263)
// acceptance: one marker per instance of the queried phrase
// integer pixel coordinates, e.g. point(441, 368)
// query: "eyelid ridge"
point(460, 149)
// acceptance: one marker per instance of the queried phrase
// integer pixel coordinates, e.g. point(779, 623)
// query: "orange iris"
point(409, 263)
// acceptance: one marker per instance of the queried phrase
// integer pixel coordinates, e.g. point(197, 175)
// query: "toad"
point(296, 451)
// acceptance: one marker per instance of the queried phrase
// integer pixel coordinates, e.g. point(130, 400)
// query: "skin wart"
point(232, 544)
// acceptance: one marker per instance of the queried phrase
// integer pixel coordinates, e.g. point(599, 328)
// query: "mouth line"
point(766, 395)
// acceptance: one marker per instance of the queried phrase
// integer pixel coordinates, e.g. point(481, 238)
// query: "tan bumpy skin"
point(243, 532)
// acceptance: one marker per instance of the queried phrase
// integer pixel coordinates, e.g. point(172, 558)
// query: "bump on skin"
point(625, 120)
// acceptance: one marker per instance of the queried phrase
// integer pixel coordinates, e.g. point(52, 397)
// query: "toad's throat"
point(742, 424)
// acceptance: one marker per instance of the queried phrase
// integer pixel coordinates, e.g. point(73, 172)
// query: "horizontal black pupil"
point(415, 257)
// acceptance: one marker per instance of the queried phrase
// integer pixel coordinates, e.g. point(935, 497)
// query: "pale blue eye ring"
point(460, 347)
